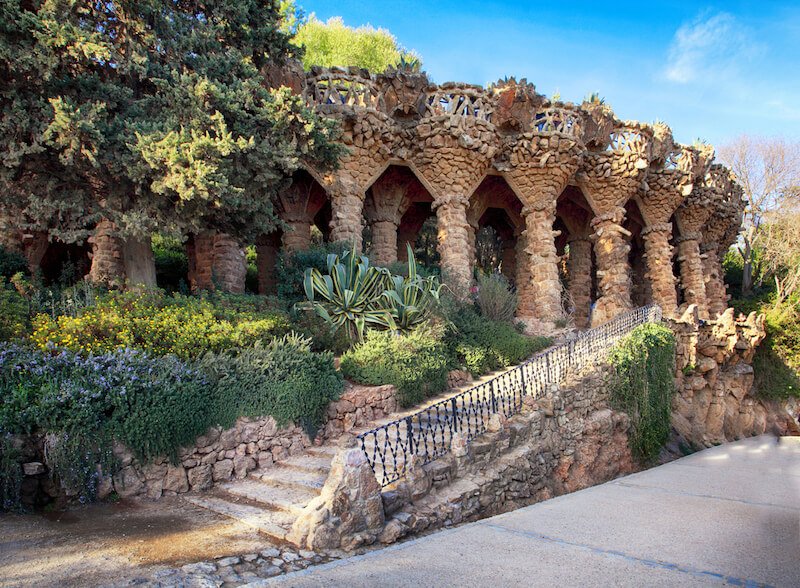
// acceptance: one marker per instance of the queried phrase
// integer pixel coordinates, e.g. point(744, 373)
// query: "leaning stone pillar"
point(658, 256)
point(611, 250)
point(108, 265)
point(541, 296)
point(267, 251)
point(692, 282)
point(454, 246)
point(716, 292)
point(580, 279)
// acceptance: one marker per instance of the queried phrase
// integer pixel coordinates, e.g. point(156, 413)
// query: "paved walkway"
point(727, 515)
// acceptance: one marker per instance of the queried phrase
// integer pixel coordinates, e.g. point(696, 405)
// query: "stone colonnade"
point(448, 138)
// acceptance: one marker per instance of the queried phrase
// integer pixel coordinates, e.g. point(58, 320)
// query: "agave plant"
point(350, 295)
point(409, 299)
point(355, 295)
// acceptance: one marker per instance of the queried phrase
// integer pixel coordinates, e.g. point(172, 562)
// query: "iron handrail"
point(427, 432)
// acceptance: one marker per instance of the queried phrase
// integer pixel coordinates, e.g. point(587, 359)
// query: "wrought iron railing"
point(427, 433)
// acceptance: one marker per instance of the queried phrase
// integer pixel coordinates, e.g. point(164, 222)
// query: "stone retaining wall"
point(219, 455)
point(568, 440)
point(715, 400)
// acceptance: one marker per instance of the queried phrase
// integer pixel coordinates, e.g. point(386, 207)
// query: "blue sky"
point(710, 70)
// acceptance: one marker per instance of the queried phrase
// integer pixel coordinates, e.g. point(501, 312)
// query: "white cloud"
point(708, 49)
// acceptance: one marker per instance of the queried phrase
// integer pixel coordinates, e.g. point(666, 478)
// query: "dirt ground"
point(112, 544)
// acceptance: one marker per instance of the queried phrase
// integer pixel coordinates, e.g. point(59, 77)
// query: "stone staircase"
point(270, 500)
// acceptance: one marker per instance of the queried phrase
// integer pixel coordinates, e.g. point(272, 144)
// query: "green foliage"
point(483, 345)
point(152, 114)
point(14, 321)
point(410, 297)
point(416, 363)
point(349, 295)
point(186, 326)
point(642, 386)
point(283, 378)
point(12, 263)
point(333, 43)
point(153, 405)
point(353, 295)
point(172, 263)
point(495, 298)
point(10, 474)
point(291, 266)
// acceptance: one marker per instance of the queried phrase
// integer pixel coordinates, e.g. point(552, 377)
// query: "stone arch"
point(495, 227)
point(306, 211)
point(634, 224)
point(396, 206)
point(574, 214)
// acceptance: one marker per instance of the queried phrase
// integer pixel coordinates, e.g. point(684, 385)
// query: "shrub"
point(483, 345)
point(172, 263)
point(495, 297)
point(11, 263)
point(283, 378)
point(311, 325)
point(416, 363)
point(182, 325)
point(642, 386)
point(14, 311)
point(291, 266)
point(153, 405)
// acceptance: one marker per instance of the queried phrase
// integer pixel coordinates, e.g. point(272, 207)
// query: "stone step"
point(281, 498)
point(324, 451)
point(274, 524)
point(309, 463)
point(290, 478)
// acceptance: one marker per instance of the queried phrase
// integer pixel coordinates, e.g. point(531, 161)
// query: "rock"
point(270, 553)
point(392, 532)
point(200, 477)
point(203, 567)
point(127, 482)
point(176, 479)
point(33, 468)
point(223, 470)
point(228, 561)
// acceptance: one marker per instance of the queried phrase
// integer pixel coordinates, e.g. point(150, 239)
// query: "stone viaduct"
point(595, 214)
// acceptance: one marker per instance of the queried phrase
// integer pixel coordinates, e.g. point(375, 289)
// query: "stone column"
point(658, 256)
point(580, 279)
point(34, 248)
point(384, 241)
point(140, 265)
point(403, 238)
point(267, 251)
point(509, 259)
point(297, 236)
point(692, 282)
point(541, 296)
point(108, 265)
point(716, 292)
point(611, 250)
point(346, 224)
point(454, 247)
point(218, 262)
